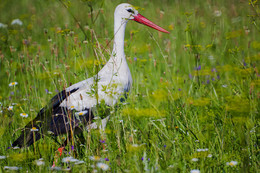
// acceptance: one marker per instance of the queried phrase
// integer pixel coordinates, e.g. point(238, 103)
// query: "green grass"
point(196, 88)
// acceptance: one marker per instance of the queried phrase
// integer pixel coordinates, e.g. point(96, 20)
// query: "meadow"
point(194, 103)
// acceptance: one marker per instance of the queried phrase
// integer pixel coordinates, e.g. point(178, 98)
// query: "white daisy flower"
point(232, 163)
point(40, 162)
point(13, 84)
point(2, 157)
point(195, 171)
point(94, 158)
point(34, 129)
point(16, 22)
point(24, 115)
point(72, 107)
point(217, 13)
point(69, 159)
point(209, 155)
point(3, 25)
point(201, 149)
point(194, 159)
point(81, 113)
point(103, 166)
point(10, 108)
point(12, 168)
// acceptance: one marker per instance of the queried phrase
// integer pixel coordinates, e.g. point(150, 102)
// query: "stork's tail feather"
point(27, 138)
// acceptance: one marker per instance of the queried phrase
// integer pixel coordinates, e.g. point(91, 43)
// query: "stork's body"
point(111, 83)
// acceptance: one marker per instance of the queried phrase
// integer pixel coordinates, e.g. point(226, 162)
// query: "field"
point(194, 103)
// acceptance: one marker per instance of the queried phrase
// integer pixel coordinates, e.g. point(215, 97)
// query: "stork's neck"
point(119, 35)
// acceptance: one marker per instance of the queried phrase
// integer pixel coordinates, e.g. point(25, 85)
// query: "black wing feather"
point(52, 119)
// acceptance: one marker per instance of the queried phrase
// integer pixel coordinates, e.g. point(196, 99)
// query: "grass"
point(194, 102)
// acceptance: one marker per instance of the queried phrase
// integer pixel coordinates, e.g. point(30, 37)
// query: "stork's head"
point(128, 12)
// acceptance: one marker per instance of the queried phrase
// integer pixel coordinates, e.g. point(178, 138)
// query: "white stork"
point(72, 109)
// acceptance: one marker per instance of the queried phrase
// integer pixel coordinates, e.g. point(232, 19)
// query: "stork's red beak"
point(141, 19)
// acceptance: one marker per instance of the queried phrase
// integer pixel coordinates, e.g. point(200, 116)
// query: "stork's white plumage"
point(111, 83)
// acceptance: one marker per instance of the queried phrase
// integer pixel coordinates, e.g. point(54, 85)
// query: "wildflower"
point(224, 86)
point(3, 25)
point(24, 115)
point(103, 166)
point(10, 108)
point(209, 156)
point(106, 159)
point(94, 158)
point(2, 157)
point(69, 159)
point(34, 129)
point(81, 112)
point(47, 91)
point(135, 59)
point(15, 148)
point(232, 163)
point(164, 146)
point(40, 162)
point(194, 159)
point(198, 68)
point(13, 84)
point(190, 76)
point(217, 13)
point(195, 171)
point(102, 141)
point(200, 150)
point(12, 168)
point(72, 107)
point(16, 22)
point(179, 89)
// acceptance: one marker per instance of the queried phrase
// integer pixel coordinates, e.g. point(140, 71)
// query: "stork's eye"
point(130, 10)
